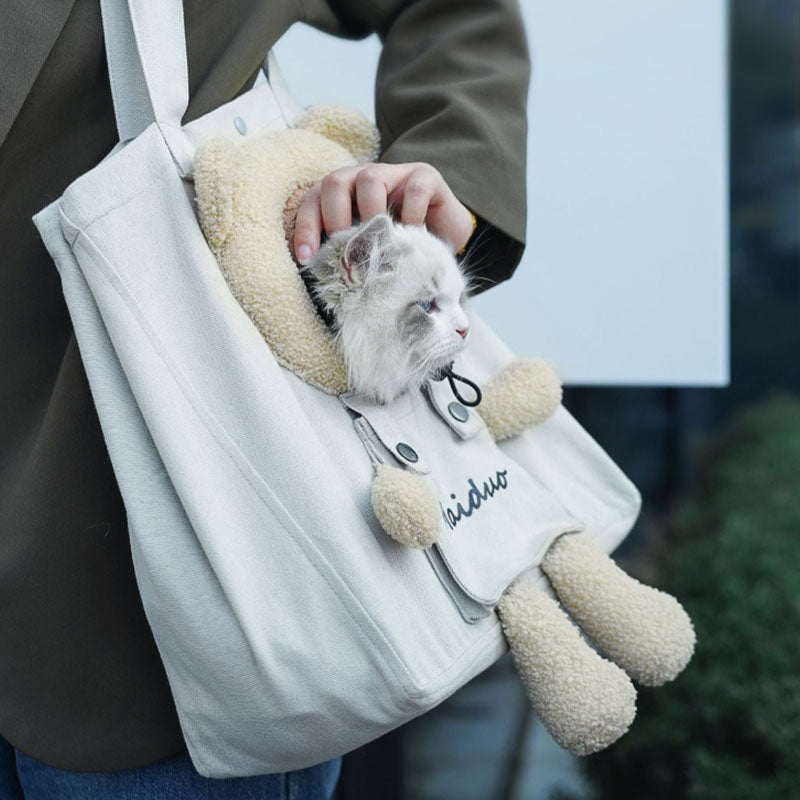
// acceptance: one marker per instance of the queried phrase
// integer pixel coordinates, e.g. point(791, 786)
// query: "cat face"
point(396, 294)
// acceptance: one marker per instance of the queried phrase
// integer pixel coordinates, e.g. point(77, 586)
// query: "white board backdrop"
point(625, 277)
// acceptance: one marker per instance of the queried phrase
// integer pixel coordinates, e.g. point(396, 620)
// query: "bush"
point(729, 726)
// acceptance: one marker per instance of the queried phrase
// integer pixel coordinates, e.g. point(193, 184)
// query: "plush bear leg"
point(644, 630)
point(525, 392)
point(406, 507)
point(584, 701)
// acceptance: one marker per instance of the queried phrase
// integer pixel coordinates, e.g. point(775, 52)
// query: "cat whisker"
point(476, 241)
point(423, 366)
point(420, 367)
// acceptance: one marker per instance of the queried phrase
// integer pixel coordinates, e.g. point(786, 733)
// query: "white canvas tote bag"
point(291, 627)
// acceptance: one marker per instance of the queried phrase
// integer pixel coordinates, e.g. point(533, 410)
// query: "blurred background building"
point(719, 470)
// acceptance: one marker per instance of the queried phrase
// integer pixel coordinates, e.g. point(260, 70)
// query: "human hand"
point(417, 190)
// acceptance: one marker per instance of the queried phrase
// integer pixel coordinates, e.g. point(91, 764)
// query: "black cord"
point(452, 377)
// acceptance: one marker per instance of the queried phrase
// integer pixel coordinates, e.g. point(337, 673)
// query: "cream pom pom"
point(406, 507)
point(584, 701)
point(644, 630)
point(524, 393)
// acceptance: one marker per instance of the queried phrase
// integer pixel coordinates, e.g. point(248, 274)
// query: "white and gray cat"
point(395, 294)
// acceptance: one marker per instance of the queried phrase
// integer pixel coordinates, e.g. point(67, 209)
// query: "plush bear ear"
point(349, 128)
point(370, 248)
point(214, 171)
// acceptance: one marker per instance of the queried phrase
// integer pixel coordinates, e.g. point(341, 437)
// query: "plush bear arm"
point(525, 392)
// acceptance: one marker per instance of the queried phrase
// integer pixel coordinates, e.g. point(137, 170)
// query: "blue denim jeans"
point(23, 777)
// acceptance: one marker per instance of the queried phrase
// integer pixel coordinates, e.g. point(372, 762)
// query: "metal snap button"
point(407, 452)
point(240, 125)
point(458, 412)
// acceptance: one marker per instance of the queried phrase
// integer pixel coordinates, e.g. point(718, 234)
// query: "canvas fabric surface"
point(292, 629)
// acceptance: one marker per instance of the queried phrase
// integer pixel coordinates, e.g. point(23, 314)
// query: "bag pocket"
point(497, 519)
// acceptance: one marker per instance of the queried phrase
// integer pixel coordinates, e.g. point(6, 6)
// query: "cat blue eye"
point(427, 305)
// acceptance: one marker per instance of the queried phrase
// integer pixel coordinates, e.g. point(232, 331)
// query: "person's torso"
point(81, 683)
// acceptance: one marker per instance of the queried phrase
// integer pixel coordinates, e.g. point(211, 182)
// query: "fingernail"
point(303, 254)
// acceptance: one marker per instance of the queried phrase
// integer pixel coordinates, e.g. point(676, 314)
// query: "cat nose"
point(462, 332)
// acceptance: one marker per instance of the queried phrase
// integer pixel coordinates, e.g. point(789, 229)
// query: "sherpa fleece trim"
point(241, 193)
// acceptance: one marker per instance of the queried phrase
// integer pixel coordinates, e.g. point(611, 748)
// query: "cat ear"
point(370, 244)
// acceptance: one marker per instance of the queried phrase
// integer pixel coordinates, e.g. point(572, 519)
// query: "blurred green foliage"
point(729, 726)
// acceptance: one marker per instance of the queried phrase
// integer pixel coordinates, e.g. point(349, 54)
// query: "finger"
point(370, 192)
point(336, 193)
point(308, 225)
point(451, 221)
point(421, 188)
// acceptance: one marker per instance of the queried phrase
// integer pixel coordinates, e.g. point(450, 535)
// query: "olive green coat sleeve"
point(451, 90)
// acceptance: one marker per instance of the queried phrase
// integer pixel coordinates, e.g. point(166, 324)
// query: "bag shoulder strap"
point(290, 108)
point(147, 66)
point(148, 69)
